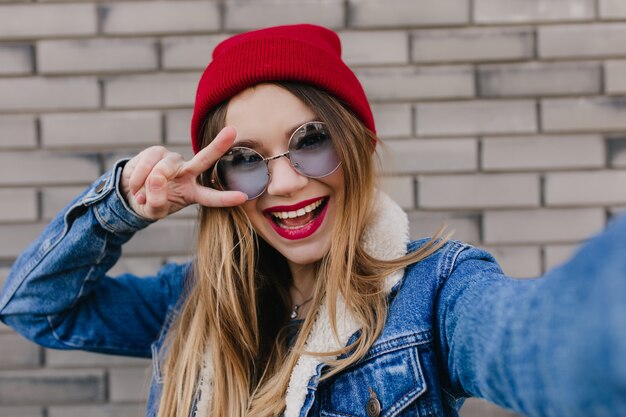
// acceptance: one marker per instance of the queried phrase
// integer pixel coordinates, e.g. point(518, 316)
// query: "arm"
point(58, 294)
point(546, 347)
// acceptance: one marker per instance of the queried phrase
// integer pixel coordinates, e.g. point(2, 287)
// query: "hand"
point(157, 182)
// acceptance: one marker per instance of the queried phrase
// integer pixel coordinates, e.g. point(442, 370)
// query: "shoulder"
point(454, 257)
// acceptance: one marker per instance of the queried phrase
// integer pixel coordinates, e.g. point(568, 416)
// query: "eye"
point(244, 158)
point(312, 140)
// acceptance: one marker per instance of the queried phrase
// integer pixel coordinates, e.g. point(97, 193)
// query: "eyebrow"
point(248, 143)
point(290, 131)
point(257, 144)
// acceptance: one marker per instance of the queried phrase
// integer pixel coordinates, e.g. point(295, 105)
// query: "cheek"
point(250, 208)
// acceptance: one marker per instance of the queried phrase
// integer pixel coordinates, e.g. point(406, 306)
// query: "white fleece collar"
point(385, 238)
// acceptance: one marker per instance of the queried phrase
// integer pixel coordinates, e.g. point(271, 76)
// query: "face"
point(295, 214)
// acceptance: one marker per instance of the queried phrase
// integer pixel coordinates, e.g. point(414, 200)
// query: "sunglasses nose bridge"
point(280, 155)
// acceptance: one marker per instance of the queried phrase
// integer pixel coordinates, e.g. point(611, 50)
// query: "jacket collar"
point(385, 238)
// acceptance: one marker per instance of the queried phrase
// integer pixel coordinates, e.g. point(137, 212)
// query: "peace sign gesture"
point(157, 182)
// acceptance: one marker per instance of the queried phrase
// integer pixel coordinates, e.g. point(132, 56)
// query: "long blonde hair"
point(237, 300)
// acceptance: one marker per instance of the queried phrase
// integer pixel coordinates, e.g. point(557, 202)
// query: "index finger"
point(207, 156)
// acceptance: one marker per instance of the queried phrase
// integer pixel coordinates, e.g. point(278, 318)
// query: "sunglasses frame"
point(214, 171)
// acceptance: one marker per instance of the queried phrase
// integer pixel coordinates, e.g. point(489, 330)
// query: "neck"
point(303, 282)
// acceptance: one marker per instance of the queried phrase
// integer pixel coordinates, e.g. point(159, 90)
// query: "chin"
point(305, 254)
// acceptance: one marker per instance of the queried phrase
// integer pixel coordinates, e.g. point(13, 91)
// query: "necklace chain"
point(296, 307)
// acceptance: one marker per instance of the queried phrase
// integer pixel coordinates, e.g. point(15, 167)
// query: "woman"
point(305, 297)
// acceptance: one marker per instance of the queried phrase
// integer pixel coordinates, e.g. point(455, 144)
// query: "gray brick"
point(407, 83)
point(17, 132)
point(375, 47)
point(615, 77)
point(612, 9)
point(14, 238)
point(96, 55)
point(252, 14)
point(23, 168)
point(141, 266)
point(472, 44)
point(519, 11)
point(44, 386)
point(475, 407)
point(178, 127)
point(590, 40)
point(48, 93)
point(103, 129)
point(17, 352)
point(429, 155)
point(371, 13)
point(393, 119)
point(55, 198)
point(112, 157)
point(539, 79)
point(170, 236)
point(159, 17)
point(16, 59)
point(101, 410)
point(73, 359)
point(478, 191)
point(518, 261)
point(188, 52)
point(466, 226)
point(38, 20)
point(476, 117)
point(179, 259)
point(18, 204)
point(556, 255)
point(4, 273)
point(583, 114)
point(21, 412)
point(400, 189)
point(543, 152)
point(544, 225)
point(153, 90)
point(585, 188)
point(616, 149)
point(128, 384)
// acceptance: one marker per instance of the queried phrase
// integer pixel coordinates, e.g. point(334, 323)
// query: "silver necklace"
point(296, 307)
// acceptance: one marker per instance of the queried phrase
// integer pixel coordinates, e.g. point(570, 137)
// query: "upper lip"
point(293, 207)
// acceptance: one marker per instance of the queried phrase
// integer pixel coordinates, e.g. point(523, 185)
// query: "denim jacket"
point(456, 326)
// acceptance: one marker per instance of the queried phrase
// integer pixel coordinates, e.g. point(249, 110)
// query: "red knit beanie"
point(306, 53)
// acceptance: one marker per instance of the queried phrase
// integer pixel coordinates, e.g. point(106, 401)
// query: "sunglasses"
point(310, 152)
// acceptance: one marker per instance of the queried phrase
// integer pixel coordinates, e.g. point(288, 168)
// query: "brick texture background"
point(505, 119)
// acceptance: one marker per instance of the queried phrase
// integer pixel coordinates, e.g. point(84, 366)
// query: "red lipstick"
point(293, 207)
point(301, 232)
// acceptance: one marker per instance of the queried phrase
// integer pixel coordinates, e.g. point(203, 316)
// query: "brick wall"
point(504, 118)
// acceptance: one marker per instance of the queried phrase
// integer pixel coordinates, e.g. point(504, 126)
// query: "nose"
point(284, 179)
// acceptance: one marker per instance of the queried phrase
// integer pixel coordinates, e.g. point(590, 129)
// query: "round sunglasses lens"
point(242, 169)
point(312, 152)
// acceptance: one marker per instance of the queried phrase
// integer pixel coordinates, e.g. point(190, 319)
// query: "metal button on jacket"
point(373, 405)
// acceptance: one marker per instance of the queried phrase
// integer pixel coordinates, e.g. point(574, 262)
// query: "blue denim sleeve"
point(58, 294)
point(554, 346)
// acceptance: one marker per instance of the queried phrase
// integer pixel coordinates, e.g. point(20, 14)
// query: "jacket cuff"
point(109, 206)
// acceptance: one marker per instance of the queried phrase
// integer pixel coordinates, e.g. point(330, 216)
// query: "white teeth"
point(297, 213)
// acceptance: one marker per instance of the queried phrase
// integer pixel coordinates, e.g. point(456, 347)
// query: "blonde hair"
point(238, 301)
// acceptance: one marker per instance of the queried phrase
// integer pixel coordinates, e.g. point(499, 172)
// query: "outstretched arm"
point(554, 346)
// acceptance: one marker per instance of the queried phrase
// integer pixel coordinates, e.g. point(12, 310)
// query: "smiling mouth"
point(296, 219)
